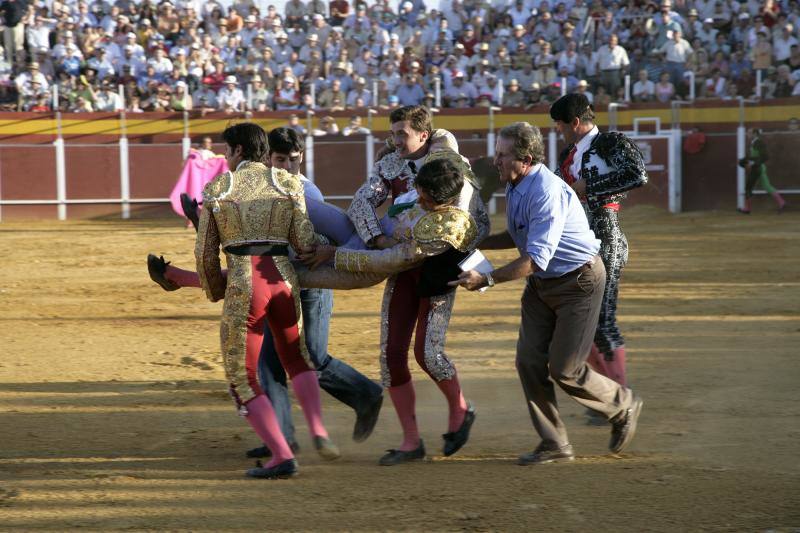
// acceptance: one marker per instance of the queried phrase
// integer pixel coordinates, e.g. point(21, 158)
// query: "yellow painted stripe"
point(199, 126)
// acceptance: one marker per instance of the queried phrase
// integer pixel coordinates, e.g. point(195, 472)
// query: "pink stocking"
point(455, 401)
point(403, 398)
point(616, 367)
point(306, 388)
point(598, 362)
point(181, 277)
point(261, 417)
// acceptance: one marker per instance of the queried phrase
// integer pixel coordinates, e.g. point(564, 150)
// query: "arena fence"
point(112, 165)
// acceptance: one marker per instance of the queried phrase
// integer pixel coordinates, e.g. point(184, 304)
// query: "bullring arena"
point(114, 412)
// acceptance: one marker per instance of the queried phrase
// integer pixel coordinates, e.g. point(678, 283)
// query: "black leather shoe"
point(396, 457)
point(366, 420)
point(547, 453)
point(189, 207)
point(454, 440)
point(263, 451)
point(624, 426)
point(282, 470)
point(326, 448)
point(157, 267)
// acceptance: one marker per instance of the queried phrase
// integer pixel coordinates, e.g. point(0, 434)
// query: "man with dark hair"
point(429, 237)
point(286, 150)
point(561, 301)
point(413, 143)
point(601, 168)
point(260, 288)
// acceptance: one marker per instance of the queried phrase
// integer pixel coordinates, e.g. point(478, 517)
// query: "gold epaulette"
point(217, 187)
point(448, 224)
point(286, 182)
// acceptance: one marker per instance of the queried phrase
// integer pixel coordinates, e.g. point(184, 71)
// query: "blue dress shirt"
point(547, 222)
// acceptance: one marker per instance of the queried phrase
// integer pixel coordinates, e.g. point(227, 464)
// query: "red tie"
point(566, 173)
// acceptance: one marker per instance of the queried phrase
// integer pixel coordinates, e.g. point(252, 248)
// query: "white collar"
point(587, 139)
point(242, 163)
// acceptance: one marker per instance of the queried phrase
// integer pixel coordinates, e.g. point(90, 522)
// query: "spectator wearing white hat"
point(32, 75)
point(513, 96)
point(230, 98)
point(287, 96)
point(262, 99)
point(64, 40)
point(319, 27)
point(707, 33)
point(107, 99)
point(249, 31)
point(181, 100)
point(359, 93)
point(459, 86)
point(129, 59)
point(282, 49)
point(312, 43)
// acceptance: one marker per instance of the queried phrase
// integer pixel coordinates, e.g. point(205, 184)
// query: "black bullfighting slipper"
point(157, 267)
point(396, 457)
point(454, 440)
point(282, 470)
point(189, 207)
point(263, 451)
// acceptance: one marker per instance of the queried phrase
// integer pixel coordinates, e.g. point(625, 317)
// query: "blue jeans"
point(337, 378)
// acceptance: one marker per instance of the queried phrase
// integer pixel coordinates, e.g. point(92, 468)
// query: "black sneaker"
point(263, 451)
point(624, 426)
point(282, 470)
point(396, 457)
point(547, 453)
point(366, 420)
point(157, 267)
point(454, 440)
point(189, 206)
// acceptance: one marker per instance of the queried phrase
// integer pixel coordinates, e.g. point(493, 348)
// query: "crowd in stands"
point(176, 55)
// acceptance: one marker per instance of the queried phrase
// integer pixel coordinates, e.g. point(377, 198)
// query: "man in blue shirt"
point(561, 301)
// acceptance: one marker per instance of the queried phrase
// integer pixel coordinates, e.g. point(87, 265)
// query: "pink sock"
point(306, 388)
point(598, 362)
point(403, 398)
point(261, 417)
point(617, 366)
point(184, 278)
point(456, 403)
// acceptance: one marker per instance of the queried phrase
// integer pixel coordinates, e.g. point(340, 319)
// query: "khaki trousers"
point(559, 319)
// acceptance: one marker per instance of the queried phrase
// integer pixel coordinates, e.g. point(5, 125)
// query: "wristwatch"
point(489, 279)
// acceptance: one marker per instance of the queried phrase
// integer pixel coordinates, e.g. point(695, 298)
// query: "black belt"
point(258, 249)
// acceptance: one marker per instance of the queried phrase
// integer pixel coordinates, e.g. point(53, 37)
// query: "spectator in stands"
point(613, 63)
point(181, 100)
point(583, 88)
point(355, 127)
point(411, 92)
point(230, 98)
point(644, 90)
point(294, 123)
point(514, 97)
point(664, 89)
point(459, 86)
point(676, 52)
point(327, 126)
point(359, 94)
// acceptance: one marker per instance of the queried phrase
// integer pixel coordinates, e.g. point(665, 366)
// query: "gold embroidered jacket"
point(252, 205)
point(420, 234)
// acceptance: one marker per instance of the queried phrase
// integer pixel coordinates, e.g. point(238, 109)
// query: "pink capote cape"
point(196, 173)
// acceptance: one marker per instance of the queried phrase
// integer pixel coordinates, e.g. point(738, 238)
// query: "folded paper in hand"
point(476, 261)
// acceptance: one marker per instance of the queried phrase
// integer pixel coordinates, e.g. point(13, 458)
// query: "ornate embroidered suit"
point(611, 166)
point(253, 214)
point(404, 303)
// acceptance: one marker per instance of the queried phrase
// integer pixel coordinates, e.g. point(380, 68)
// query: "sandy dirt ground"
point(114, 413)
